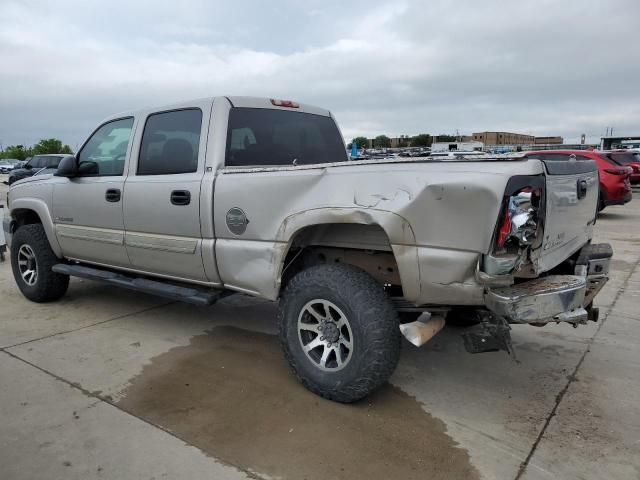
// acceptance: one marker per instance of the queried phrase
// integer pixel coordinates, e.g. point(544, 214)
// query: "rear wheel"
point(339, 331)
point(31, 262)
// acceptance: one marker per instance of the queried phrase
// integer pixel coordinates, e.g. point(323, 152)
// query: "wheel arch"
point(386, 236)
point(25, 211)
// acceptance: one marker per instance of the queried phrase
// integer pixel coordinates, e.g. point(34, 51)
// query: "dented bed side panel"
point(438, 216)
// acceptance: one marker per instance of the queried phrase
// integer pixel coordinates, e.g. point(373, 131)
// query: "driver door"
point(87, 209)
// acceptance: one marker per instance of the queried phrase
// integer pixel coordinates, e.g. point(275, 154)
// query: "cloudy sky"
point(398, 67)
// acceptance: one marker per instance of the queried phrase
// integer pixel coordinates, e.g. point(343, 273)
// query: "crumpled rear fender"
point(399, 232)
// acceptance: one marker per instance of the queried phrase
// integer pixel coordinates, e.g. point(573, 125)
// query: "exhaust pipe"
point(421, 331)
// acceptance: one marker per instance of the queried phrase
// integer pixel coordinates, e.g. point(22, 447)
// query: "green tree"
point(382, 141)
point(446, 138)
point(50, 145)
point(422, 140)
point(361, 142)
point(16, 151)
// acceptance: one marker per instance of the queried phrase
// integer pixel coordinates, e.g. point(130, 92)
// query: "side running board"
point(167, 290)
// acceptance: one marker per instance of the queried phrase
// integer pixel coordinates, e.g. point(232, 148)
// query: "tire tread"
point(382, 351)
point(50, 285)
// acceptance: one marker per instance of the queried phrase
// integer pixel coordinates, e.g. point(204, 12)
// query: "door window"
point(106, 150)
point(36, 162)
point(170, 143)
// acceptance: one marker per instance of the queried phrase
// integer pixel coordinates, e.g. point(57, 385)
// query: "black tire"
point(372, 324)
point(463, 317)
point(48, 285)
point(601, 204)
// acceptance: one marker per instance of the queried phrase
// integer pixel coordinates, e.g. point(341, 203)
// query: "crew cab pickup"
point(236, 194)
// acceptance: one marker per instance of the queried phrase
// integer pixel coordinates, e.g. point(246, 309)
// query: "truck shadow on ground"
point(230, 394)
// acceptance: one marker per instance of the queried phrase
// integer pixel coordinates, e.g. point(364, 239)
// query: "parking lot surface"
point(113, 384)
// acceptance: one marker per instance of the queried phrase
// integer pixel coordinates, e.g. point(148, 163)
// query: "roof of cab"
point(235, 101)
point(263, 102)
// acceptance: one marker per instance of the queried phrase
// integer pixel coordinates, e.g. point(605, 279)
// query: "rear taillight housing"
point(520, 218)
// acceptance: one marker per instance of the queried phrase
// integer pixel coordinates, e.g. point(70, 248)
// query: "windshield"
point(42, 161)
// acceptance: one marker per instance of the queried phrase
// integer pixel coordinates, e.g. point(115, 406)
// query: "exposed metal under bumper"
point(554, 298)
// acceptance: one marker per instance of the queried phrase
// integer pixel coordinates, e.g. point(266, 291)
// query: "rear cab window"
point(269, 137)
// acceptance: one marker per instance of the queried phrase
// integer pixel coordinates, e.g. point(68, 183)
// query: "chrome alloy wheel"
point(28, 265)
point(325, 335)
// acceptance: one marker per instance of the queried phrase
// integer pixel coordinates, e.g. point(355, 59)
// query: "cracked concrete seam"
point(76, 386)
point(523, 466)
point(119, 317)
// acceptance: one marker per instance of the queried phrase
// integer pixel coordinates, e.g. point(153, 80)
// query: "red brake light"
point(505, 228)
point(284, 103)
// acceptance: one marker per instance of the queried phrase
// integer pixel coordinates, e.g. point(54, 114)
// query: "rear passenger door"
point(162, 194)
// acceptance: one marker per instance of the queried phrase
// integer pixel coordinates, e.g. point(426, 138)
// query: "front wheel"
point(339, 331)
point(31, 262)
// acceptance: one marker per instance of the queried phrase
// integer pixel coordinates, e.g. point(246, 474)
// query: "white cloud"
point(397, 68)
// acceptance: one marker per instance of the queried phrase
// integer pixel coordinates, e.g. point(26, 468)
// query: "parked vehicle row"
point(37, 164)
point(8, 164)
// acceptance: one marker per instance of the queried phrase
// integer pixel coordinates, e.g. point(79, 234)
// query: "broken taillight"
point(505, 228)
point(519, 220)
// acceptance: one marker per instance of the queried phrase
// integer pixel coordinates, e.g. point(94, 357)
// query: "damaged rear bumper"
point(555, 298)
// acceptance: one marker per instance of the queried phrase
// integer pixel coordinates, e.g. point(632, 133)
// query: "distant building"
point(503, 138)
point(609, 143)
point(508, 138)
point(549, 141)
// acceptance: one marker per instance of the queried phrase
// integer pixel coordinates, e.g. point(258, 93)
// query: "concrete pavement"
point(113, 384)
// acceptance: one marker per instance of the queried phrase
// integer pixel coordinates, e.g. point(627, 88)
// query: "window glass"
point(52, 162)
point(37, 162)
point(258, 136)
point(106, 150)
point(621, 158)
point(555, 157)
point(170, 143)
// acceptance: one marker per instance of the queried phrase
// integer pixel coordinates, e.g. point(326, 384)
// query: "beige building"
point(503, 138)
point(549, 141)
point(508, 138)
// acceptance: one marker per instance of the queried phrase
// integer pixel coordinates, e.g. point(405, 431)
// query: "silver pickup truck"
point(235, 194)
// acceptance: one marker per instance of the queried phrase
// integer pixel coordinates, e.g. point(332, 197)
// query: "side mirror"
point(27, 166)
point(68, 167)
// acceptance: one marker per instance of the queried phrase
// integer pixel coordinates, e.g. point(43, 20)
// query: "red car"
point(615, 185)
point(626, 158)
